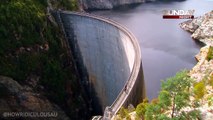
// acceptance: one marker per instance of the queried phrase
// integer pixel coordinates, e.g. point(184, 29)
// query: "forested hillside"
point(32, 54)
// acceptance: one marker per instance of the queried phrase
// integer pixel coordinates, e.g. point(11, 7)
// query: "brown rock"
point(16, 98)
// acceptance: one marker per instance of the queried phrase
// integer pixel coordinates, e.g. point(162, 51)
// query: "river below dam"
point(166, 48)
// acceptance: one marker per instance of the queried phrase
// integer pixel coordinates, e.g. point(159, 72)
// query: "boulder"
point(9, 86)
point(201, 28)
point(18, 98)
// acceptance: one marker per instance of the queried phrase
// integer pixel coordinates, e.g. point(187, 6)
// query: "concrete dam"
point(108, 58)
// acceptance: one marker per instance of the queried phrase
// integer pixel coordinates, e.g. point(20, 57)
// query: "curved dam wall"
point(109, 59)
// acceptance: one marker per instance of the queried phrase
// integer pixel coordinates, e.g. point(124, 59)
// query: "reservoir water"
point(166, 48)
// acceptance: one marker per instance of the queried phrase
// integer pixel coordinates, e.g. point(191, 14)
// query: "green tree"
point(153, 112)
point(174, 96)
point(191, 115)
point(175, 92)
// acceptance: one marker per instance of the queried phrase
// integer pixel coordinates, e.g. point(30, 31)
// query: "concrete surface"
point(109, 56)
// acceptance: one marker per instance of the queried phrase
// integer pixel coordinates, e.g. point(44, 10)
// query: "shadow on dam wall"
point(108, 58)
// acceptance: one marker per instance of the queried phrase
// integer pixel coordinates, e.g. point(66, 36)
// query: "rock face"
point(204, 67)
point(202, 30)
point(17, 98)
point(106, 4)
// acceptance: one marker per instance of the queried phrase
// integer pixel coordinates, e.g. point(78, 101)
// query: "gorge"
point(90, 65)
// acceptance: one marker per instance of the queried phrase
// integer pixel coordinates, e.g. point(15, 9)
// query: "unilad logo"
point(178, 14)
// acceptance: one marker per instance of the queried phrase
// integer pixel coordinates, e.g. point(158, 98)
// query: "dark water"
point(166, 48)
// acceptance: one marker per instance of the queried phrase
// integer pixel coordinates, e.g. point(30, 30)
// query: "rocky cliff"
point(202, 30)
point(106, 4)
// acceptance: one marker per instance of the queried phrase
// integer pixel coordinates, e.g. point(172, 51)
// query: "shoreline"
point(202, 31)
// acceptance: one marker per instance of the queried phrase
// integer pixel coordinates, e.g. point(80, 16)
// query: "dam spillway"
point(108, 57)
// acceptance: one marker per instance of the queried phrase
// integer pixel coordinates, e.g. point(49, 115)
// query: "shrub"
point(65, 4)
point(199, 90)
point(17, 29)
point(210, 82)
point(141, 108)
point(210, 53)
point(131, 108)
point(123, 113)
point(155, 101)
point(210, 100)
